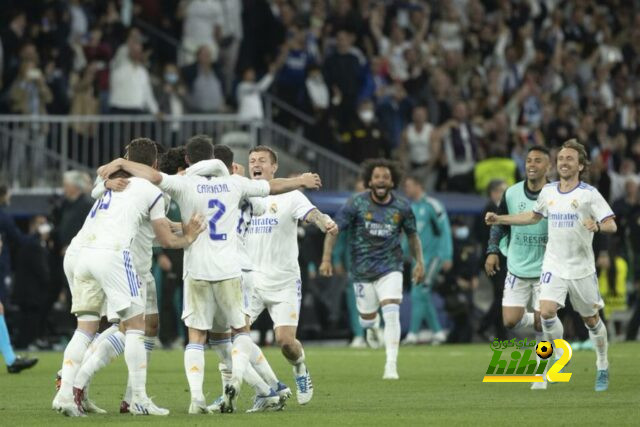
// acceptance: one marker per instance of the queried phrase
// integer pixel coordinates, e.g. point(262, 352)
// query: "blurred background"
point(454, 90)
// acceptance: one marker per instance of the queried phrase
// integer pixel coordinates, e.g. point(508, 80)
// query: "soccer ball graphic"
point(544, 349)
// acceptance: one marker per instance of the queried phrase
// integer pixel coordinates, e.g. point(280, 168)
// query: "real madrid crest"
point(273, 208)
point(574, 204)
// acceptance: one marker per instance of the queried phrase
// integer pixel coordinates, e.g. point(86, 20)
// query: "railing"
point(36, 150)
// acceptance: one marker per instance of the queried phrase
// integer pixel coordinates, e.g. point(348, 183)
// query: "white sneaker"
point(439, 338)
point(68, 407)
point(266, 403)
point(231, 392)
point(425, 335)
point(284, 392)
point(57, 402)
point(539, 386)
point(145, 406)
point(410, 339)
point(358, 342)
point(390, 372)
point(375, 337)
point(198, 407)
point(216, 405)
point(91, 408)
point(304, 386)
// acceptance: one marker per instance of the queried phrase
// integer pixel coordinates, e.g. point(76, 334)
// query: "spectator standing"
point(204, 89)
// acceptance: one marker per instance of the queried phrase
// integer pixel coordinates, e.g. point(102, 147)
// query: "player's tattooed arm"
point(415, 248)
point(322, 221)
point(326, 269)
point(496, 233)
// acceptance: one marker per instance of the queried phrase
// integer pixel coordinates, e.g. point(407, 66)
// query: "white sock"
point(72, 359)
point(370, 323)
point(97, 339)
point(149, 344)
point(136, 358)
point(240, 354)
point(553, 330)
point(598, 335)
point(253, 379)
point(223, 350)
point(261, 365)
point(225, 375)
point(525, 323)
point(194, 368)
point(391, 315)
point(110, 348)
point(298, 365)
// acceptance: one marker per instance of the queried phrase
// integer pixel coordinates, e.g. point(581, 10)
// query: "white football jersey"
point(272, 240)
point(569, 254)
point(255, 206)
point(214, 255)
point(117, 215)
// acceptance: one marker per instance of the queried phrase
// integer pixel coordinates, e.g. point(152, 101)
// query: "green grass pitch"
point(438, 386)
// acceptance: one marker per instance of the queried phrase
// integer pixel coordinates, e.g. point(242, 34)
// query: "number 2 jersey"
point(214, 255)
point(375, 231)
point(569, 254)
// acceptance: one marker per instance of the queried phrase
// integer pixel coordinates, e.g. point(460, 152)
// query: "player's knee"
point(151, 327)
point(1, 309)
point(509, 323)
point(591, 321)
point(286, 342)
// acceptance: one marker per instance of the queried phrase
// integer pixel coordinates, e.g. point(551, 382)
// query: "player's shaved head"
point(198, 148)
point(224, 154)
point(142, 150)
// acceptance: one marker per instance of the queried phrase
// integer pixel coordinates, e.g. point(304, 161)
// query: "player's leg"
point(430, 312)
point(284, 309)
point(418, 313)
point(553, 293)
point(515, 298)
point(586, 300)
point(87, 302)
point(198, 315)
point(105, 348)
point(253, 306)
point(354, 318)
point(151, 325)
point(389, 291)
point(368, 304)
point(14, 363)
point(125, 297)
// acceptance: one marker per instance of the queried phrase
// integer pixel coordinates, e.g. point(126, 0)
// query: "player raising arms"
point(525, 249)
point(212, 271)
point(377, 217)
point(272, 244)
point(575, 211)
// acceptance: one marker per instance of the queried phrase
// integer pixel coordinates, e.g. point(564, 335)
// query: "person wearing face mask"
point(171, 98)
point(364, 138)
point(33, 278)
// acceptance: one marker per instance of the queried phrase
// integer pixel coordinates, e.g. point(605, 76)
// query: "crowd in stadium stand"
point(454, 89)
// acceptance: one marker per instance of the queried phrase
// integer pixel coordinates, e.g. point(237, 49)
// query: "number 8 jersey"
point(214, 256)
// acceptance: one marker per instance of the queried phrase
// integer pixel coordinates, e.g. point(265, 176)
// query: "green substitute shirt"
point(523, 245)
